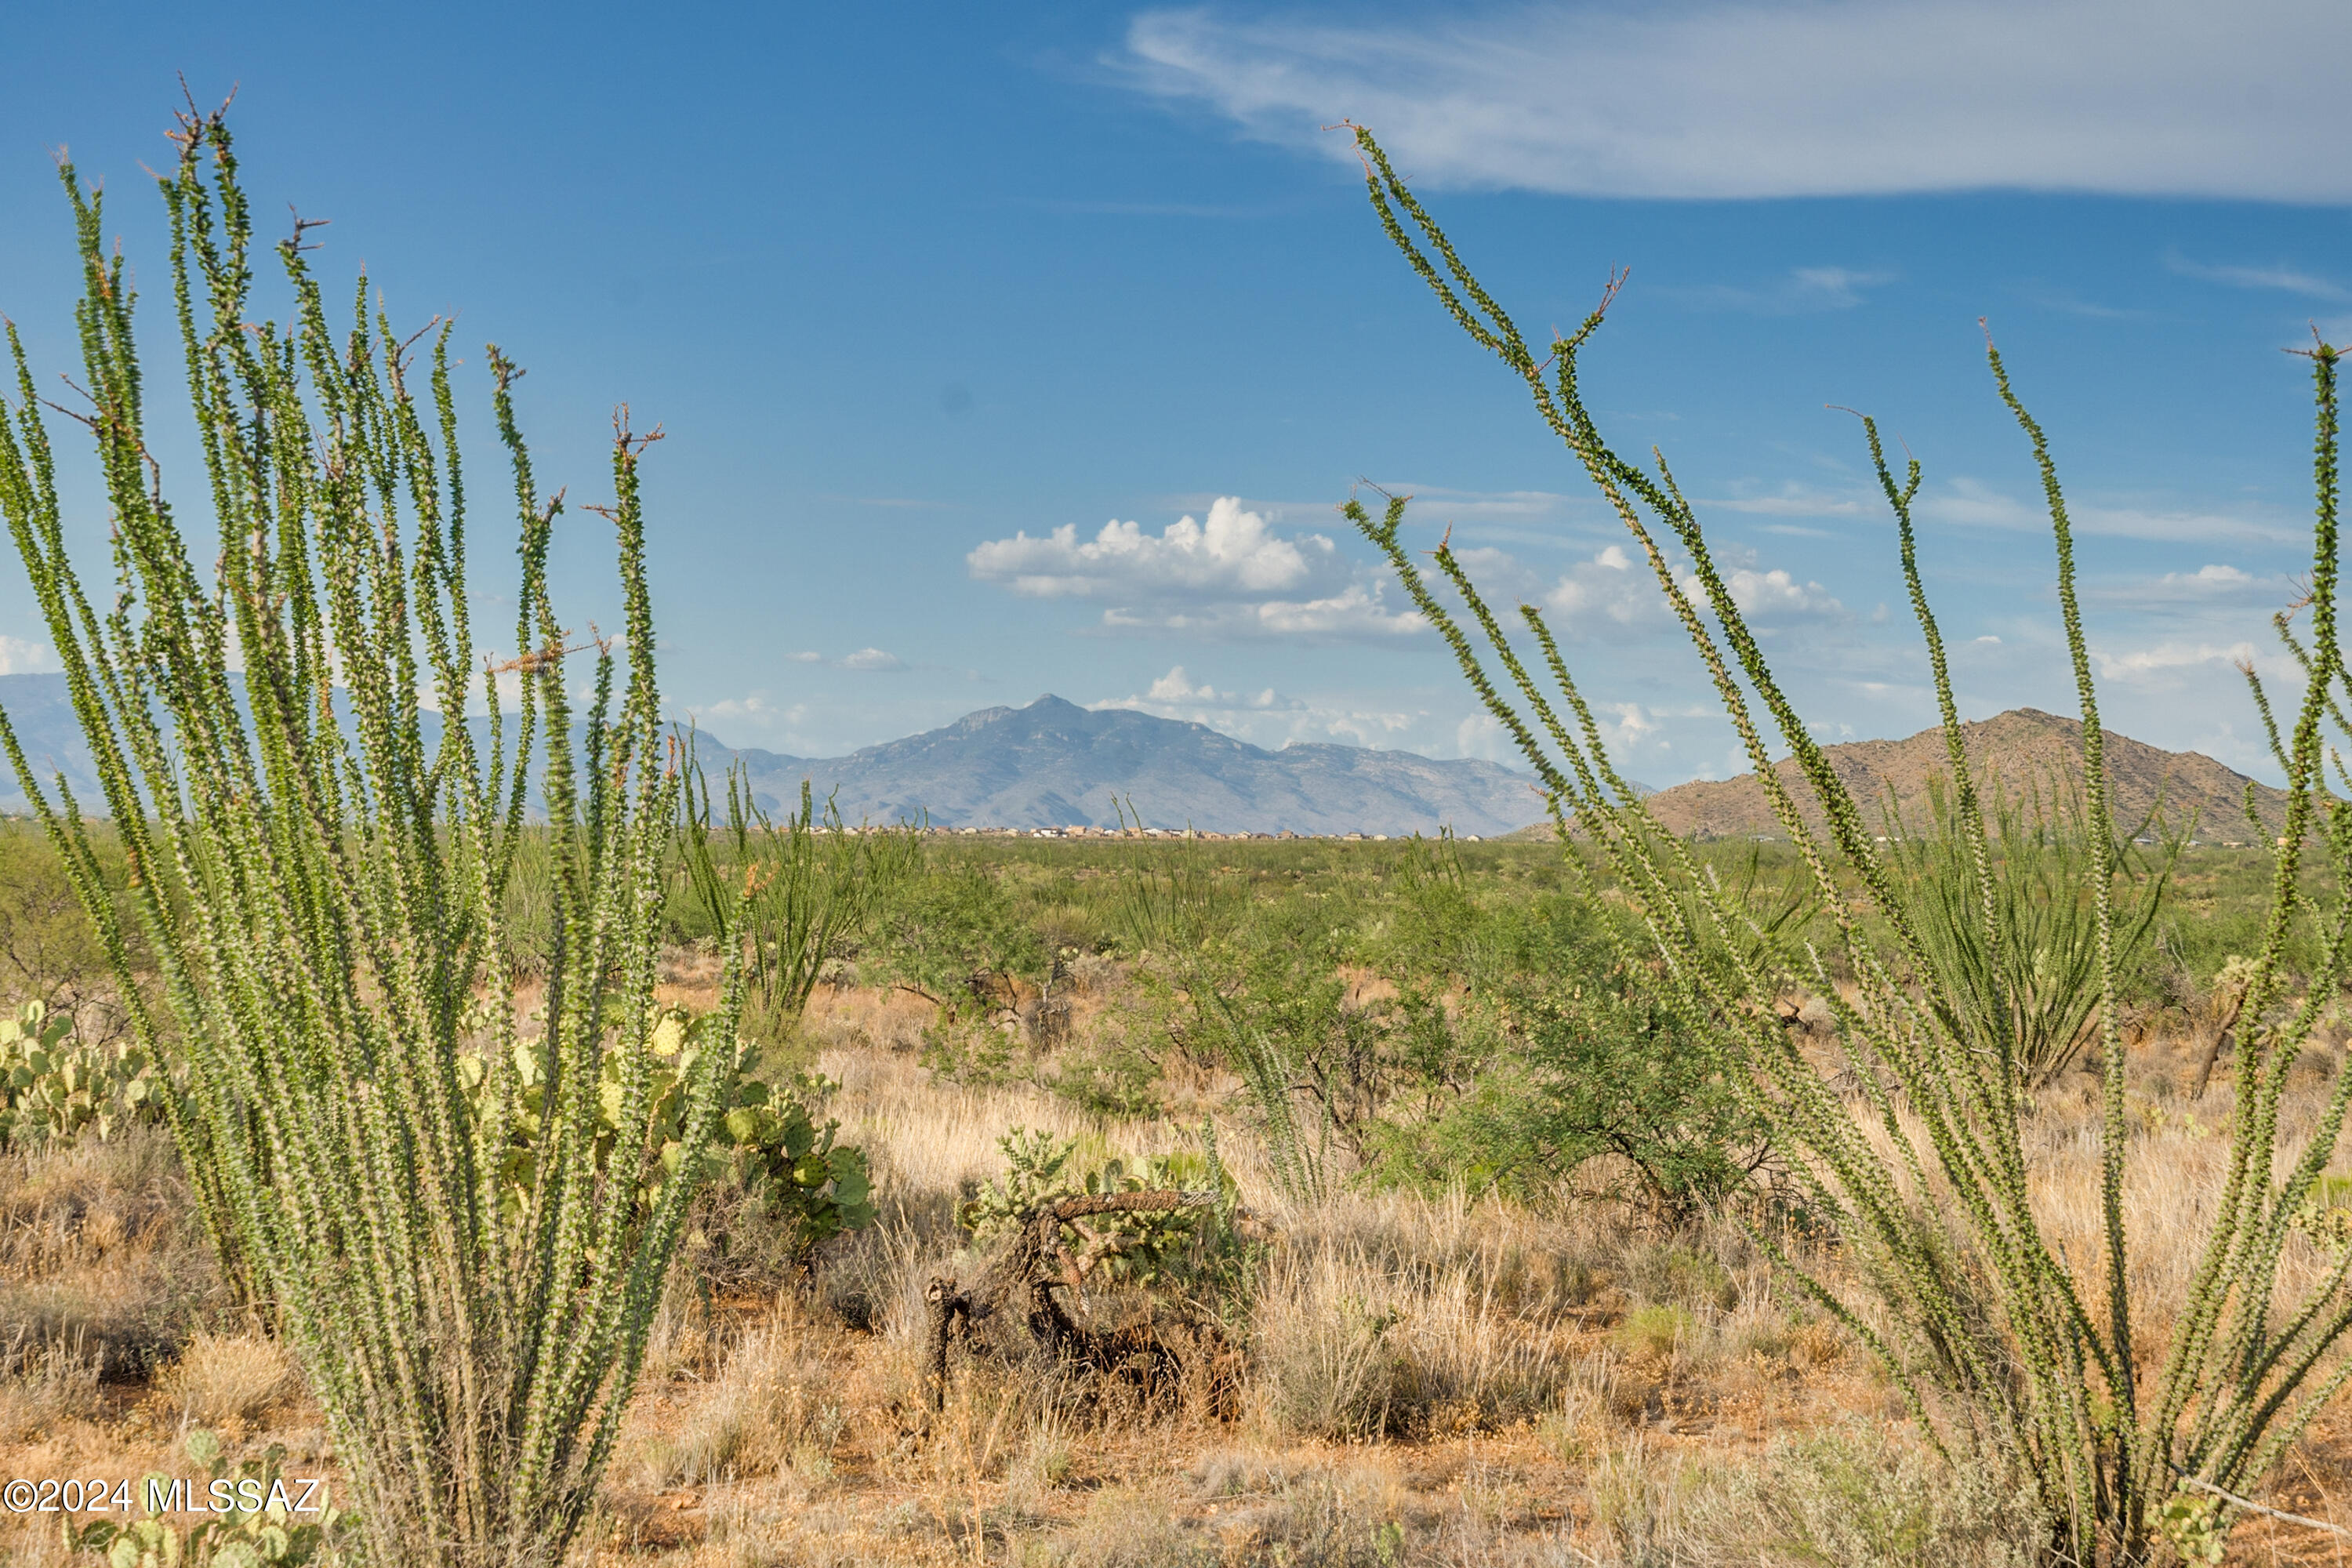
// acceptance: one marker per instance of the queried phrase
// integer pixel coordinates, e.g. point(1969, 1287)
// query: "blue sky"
point(927, 297)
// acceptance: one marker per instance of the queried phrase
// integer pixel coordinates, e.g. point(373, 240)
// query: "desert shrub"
point(1602, 1078)
point(2025, 945)
point(50, 948)
point(951, 922)
point(972, 1051)
point(1916, 1160)
point(1115, 1075)
point(319, 863)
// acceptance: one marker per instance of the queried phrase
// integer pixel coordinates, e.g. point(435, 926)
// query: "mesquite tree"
point(317, 847)
point(2134, 1430)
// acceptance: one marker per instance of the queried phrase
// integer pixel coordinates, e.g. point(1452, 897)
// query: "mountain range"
point(1054, 764)
point(1050, 765)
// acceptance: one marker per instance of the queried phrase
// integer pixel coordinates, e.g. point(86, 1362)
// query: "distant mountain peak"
point(1054, 764)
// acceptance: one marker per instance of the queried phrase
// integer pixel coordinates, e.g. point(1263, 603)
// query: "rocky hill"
point(2026, 750)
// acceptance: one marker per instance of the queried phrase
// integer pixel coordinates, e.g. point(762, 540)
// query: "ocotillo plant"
point(319, 849)
point(794, 889)
point(1922, 1170)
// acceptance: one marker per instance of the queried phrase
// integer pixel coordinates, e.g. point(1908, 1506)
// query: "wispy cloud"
point(2067, 303)
point(2284, 278)
point(1969, 504)
point(755, 711)
point(1802, 290)
point(1792, 499)
point(1265, 716)
point(2138, 664)
point(866, 658)
point(1783, 98)
point(2218, 584)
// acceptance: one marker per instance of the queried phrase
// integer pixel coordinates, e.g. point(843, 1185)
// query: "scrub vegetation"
point(571, 1161)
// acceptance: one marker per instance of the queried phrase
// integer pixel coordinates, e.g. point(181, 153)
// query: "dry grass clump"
point(1345, 1348)
point(228, 1381)
point(931, 1144)
point(774, 1406)
point(99, 1248)
point(1125, 1527)
point(1392, 1314)
point(1844, 1499)
point(46, 1384)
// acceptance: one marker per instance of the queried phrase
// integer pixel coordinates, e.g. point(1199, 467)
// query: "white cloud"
point(1793, 499)
point(2216, 584)
point(866, 658)
point(19, 657)
point(754, 710)
point(2142, 663)
point(1606, 594)
point(1235, 555)
point(2219, 575)
point(1234, 576)
point(1603, 593)
point(1722, 97)
point(1776, 594)
point(1355, 611)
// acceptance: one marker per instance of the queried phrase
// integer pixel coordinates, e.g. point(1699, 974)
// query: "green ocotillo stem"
point(1921, 1171)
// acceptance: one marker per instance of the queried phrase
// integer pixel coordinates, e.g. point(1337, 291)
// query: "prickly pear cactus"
point(53, 1086)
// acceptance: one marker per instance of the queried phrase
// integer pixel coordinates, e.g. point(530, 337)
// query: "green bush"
point(1586, 1062)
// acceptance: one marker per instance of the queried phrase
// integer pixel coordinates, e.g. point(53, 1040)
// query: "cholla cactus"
point(318, 851)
